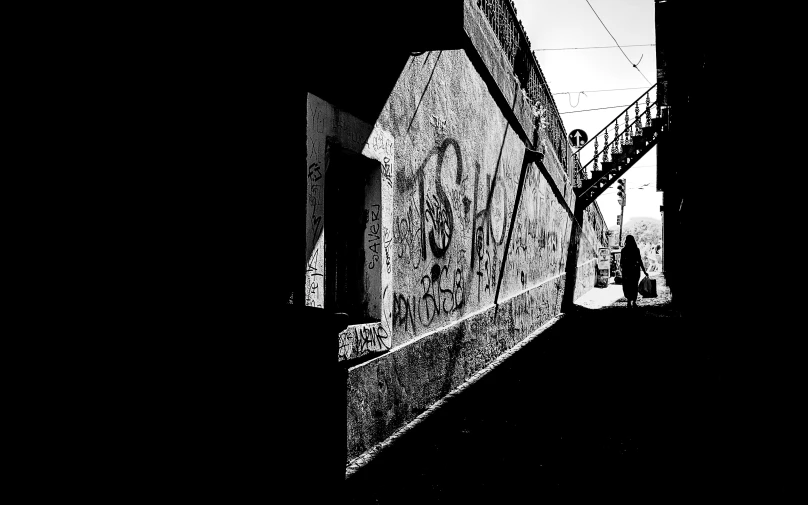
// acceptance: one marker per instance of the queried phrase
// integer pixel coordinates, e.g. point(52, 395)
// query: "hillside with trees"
point(646, 230)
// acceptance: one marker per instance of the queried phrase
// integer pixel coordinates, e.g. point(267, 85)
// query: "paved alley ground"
point(607, 403)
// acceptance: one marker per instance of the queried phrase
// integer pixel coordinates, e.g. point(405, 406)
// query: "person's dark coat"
point(630, 267)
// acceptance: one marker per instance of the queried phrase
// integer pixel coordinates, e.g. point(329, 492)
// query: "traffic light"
point(618, 219)
point(621, 192)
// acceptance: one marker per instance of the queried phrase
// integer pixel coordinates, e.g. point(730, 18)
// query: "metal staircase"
point(608, 163)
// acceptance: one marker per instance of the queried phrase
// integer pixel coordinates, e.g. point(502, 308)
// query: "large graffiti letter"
point(445, 226)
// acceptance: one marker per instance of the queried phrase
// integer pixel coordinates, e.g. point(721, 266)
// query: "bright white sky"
point(552, 24)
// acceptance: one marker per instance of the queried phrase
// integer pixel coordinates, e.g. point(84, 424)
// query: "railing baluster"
point(616, 143)
point(595, 166)
point(605, 144)
point(626, 138)
point(648, 108)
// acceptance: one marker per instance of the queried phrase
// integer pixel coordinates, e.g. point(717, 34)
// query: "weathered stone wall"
point(450, 161)
point(457, 168)
point(386, 393)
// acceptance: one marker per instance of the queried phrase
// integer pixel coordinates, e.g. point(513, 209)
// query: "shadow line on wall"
point(425, 87)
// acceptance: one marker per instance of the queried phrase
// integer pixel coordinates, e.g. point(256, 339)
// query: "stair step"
point(657, 122)
point(648, 132)
point(607, 166)
point(639, 140)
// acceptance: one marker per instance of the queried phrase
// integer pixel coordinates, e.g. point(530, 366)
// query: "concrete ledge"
point(392, 390)
point(367, 456)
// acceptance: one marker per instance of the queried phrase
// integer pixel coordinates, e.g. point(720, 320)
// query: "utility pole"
point(620, 237)
point(621, 199)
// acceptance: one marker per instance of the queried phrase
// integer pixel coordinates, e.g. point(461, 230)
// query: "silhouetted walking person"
point(630, 266)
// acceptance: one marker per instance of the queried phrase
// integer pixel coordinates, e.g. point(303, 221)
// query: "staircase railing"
point(600, 149)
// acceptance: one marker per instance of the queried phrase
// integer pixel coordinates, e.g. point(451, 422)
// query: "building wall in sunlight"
point(432, 235)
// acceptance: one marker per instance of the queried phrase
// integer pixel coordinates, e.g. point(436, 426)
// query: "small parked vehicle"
point(615, 266)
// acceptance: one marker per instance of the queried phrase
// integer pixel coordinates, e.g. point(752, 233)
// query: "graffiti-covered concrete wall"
point(448, 161)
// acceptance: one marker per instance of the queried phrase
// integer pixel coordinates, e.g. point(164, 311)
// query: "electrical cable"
point(592, 47)
point(618, 44)
point(598, 90)
point(579, 99)
point(612, 190)
point(587, 110)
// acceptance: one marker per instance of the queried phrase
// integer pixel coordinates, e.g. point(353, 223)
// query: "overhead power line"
point(601, 108)
point(643, 166)
point(597, 90)
point(644, 186)
point(618, 44)
point(579, 99)
point(593, 47)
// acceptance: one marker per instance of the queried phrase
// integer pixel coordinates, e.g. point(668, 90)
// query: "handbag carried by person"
point(647, 288)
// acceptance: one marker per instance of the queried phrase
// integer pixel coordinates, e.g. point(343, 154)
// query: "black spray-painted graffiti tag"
point(356, 341)
point(374, 236)
point(387, 171)
point(387, 241)
point(438, 207)
point(443, 293)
